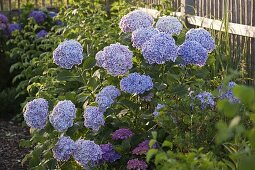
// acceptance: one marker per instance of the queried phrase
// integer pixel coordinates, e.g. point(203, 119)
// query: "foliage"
point(183, 133)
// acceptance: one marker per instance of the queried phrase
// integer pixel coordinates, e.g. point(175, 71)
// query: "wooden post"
point(36, 3)
point(188, 7)
point(43, 3)
point(10, 5)
point(1, 5)
point(18, 4)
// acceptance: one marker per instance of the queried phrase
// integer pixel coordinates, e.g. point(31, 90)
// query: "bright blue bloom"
point(3, 19)
point(228, 94)
point(64, 148)
point(36, 113)
point(116, 59)
point(134, 20)
point(135, 83)
point(159, 49)
point(109, 154)
point(93, 118)
point(38, 16)
point(170, 25)
point(87, 154)
point(206, 99)
point(157, 109)
point(106, 97)
point(41, 34)
point(63, 115)
point(14, 27)
point(192, 52)
point(203, 37)
point(68, 54)
point(141, 35)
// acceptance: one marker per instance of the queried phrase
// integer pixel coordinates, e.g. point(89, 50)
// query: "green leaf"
point(167, 144)
point(150, 154)
point(88, 63)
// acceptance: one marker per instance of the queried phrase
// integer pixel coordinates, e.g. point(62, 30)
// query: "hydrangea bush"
point(144, 98)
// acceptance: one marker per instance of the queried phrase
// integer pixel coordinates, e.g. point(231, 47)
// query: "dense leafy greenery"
point(187, 136)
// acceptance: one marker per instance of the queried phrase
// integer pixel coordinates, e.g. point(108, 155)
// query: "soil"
point(11, 154)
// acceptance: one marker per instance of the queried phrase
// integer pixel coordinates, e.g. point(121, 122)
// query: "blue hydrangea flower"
point(135, 83)
point(122, 133)
point(3, 27)
point(109, 154)
point(106, 97)
point(93, 118)
point(38, 16)
point(36, 113)
point(159, 49)
point(136, 164)
point(64, 148)
point(14, 27)
point(170, 25)
point(206, 99)
point(52, 14)
point(141, 35)
point(116, 59)
point(88, 153)
point(68, 54)
point(63, 115)
point(41, 34)
point(228, 94)
point(157, 109)
point(134, 20)
point(111, 91)
point(3, 19)
point(203, 37)
point(192, 52)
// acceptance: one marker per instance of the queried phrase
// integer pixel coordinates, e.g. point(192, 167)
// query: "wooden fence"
point(240, 15)
point(8, 5)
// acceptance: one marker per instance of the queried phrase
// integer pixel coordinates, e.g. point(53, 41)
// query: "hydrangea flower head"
point(157, 109)
point(68, 54)
point(3, 27)
point(106, 97)
point(134, 20)
point(38, 16)
point(93, 118)
point(36, 113)
point(111, 91)
point(142, 148)
point(141, 35)
point(109, 154)
point(63, 115)
point(116, 59)
point(159, 49)
point(228, 94)
point(170, 25)
point(3, 19)
point(206, 99)
point(203, 37)
point(135, 83)
point(192, 52)
point(41, 34)
point(64, 148)
point(122, 133)
point(14, 27)
point(137, 164)
point(87, 153)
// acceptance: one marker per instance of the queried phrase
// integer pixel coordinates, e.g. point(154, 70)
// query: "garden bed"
point(10, 152)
